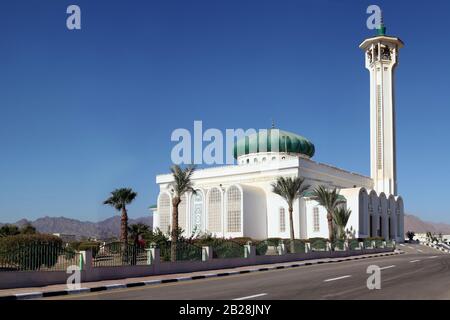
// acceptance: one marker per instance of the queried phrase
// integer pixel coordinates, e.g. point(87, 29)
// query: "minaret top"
point(382, 29)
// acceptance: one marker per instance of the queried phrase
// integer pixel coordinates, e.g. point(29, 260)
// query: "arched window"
point(274, 158)
point(164, 212)
point(215, 210)
point(264, 159)
point(197, 212)
point(182, 213)
point(316, 220)
point(255, 160)
point(234, 201)
point(282, 220)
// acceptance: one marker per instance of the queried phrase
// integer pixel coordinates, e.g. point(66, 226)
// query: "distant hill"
point(417, 225)
point(104, 229)
point(111, 227)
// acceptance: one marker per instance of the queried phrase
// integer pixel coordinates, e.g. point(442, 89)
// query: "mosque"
point(237, 200)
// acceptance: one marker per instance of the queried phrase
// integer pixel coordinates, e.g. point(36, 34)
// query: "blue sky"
point(84, 112)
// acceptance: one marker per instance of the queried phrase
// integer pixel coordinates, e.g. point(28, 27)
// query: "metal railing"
point(115, 254)
point(338, 245)
point(185, 252)
point(38, 257)
point(319, 245)
point(299, 246)
point(227, 249)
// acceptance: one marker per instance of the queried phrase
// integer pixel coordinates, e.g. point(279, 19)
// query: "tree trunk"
point(124, 234)
point(291, 223)
point(174, 238)
point(330, 226)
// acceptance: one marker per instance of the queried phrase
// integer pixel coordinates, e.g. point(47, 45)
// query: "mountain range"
point(111, 227)
point(413, 223)
point(108, 228)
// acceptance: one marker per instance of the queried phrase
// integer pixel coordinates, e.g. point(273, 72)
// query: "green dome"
point(262, 142)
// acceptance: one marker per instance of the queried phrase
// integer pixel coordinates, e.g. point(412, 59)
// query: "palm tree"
point(137, 230)
point(340, 219)
point(330, 200)
point(119, 199)
point(9, 230)
point(290, 189)
point(182, 184)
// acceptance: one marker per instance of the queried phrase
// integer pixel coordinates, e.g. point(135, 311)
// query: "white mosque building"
point(237, 200)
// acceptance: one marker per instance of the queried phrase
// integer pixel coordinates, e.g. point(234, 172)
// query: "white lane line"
point(388, 267)
point(253, 296)
point(402, 244)
point(419, 250)
point(432, 257)
point(338, 278)
point(410, 247)
point(414, 261)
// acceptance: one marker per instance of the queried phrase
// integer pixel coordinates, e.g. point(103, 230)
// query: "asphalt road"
point(420, 273)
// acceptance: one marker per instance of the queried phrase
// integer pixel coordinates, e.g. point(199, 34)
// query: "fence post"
point(361, 245)
point(207, 253)
point(384, 244)
point(328, 246)
point(85, 260)
point(373, 244)
point(153, 255)
point(307, 247)
point(346, 246)
point(249, 250)
point(281, 248)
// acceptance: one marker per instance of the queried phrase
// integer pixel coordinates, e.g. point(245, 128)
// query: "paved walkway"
point(112, 284)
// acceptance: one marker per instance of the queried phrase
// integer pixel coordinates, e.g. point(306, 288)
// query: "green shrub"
point(30, 251)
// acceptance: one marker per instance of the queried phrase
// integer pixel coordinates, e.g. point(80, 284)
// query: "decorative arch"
point(373, 213)
point(363, 211)
point(234, 209)
point(197, 217)
point(392, 207)
point(214, 210)
point(164, 211)
point(182, 213)
point(383, 224)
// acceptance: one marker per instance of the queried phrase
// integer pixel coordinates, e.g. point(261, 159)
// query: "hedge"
point(30, 251)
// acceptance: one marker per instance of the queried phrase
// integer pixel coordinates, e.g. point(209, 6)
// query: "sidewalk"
point(61, 289)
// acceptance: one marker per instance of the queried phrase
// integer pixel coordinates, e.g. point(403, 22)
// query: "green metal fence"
point(38, 257)
point(227, 249)
point(299, 246)
point(353, 244)
point(368, 244)
point(185, 252)
point(115, 254)
point(318, 245)
point(338, 245)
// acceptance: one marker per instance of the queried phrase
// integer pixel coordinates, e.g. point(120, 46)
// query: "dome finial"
point(273, 124)
point(381, 29)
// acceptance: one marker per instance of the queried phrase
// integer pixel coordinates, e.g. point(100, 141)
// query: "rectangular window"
point(282, 220)
point(316, 221)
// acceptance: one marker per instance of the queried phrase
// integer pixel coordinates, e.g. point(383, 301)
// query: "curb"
point(36, 295)
point(437, 247)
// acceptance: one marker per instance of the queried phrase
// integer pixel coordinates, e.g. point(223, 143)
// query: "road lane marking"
point(432, 257)
point(388, 267)
point(419, 250)
point(414, 261)
point(338, 278)
point(410, 247)
point(253, 296)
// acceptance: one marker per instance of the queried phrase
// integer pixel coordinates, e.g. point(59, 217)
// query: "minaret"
point(381, 60)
